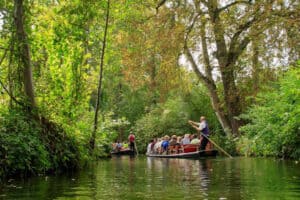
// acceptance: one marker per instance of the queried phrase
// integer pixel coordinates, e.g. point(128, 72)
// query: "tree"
point(99, 91)
point(24, 53)
point(217, 35)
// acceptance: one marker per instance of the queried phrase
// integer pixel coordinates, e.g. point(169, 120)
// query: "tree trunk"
point(153, 80)
point(255, 67)
point(226, 62)
point(231, 97)
point(215, 101)
point(213, 93)
point(9, 72)
point(210, 85)
point(24, 54)
point(99, 91)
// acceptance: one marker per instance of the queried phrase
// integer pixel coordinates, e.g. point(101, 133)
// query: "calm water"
point(144, 178)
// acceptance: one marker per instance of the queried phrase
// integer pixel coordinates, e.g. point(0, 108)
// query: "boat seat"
point(190, 148)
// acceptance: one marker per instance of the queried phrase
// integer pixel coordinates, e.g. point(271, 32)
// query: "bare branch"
point(232, 4)
point(194, 65)
point(11, 96)
point(240, 30)
point(208, 68)
point(160, 3)
point(4, 55)
point(233, 55)
point(2, 84)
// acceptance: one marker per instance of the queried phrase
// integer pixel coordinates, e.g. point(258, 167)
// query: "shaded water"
point(154, 178)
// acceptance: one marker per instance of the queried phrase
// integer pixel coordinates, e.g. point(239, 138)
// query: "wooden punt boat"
point(195, 154)
point(123, 152)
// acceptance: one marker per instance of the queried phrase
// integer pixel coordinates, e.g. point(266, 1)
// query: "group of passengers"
point(120, 146)
point(177, 144)
point(174, 144)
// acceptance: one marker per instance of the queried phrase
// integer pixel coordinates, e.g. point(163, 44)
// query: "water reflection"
point(158, 178)
point(189, 174)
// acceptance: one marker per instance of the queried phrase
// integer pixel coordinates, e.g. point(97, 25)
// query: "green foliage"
point(62, 147)
point(273, 128)
point(21, 150)
point(27, 147)
point(109, 130)
point(171, 117)
point(228, 143)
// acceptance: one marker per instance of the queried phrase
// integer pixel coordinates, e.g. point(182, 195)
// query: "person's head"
point(195, 136)
point(151, 141)
point(187, 135)
point(202, 118)
point(166, 137)
point(179, 139)
point(174, 137)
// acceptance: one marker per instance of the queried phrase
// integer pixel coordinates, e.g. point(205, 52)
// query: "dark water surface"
point(154, 178)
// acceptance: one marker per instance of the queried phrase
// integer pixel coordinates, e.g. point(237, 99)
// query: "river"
point(154, 178)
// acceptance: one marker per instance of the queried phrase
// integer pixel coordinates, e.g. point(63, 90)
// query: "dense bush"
point(27, 147)
point(274, 125)
point(21, 150)
point(63, 148)
point(228, 143)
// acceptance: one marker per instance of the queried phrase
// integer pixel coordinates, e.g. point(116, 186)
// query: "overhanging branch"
point(234, 3)
point(160, 3)
point(3, 85)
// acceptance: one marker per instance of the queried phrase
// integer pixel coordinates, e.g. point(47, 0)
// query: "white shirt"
point(185, 141)
point(157, 145)
point(149, 148)
point(202, 125)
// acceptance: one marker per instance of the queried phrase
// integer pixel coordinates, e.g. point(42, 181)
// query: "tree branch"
point(11, 96)
point(232, 4)
point(160, 3)
point(2, 84)
point(234, 46)
point(194, 65)
point(208, 68)
point(234, 54)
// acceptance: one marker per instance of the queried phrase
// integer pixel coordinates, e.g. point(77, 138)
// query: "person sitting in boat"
point(157, 146)
point(165, 144)
point(179, 140)
point(203, 128)
point(119, 146)
point(114, 146)
point(149, 149)
point(186, 140)
point(153, 144)
point(125, 145)
point(195, 140)
point(173, 140)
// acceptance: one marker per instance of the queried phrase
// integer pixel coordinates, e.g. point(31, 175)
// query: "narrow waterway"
point(153, 178)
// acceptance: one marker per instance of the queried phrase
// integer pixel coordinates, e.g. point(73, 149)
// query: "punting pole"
point(217, 146)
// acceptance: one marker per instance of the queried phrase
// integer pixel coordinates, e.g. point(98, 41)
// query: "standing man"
point(203, 128)
point(131, 139)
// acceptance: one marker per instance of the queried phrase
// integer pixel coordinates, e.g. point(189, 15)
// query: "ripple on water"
point(143, 178)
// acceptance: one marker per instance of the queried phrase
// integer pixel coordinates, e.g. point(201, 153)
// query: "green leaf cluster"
point(274, 125)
